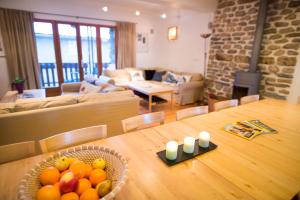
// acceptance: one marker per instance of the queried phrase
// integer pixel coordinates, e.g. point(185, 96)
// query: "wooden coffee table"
point(12, 96)
point(151, 89)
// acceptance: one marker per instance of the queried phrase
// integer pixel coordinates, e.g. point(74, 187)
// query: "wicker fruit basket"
point(117, 169)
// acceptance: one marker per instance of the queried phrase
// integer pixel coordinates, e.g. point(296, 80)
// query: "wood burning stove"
point(247, 82)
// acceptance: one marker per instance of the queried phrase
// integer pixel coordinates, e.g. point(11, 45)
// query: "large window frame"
point(57, 48)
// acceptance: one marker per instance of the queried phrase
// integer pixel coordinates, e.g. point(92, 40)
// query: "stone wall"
point(232, 41)
point(280, 47)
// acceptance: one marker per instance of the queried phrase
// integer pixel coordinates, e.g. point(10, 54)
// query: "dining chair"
point(190, 112)
point(143, 121)
point(73, 138)
point(249, 99)
point(17, 151)
point(225, 104)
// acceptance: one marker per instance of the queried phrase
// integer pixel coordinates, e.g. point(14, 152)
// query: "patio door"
point(69, 51)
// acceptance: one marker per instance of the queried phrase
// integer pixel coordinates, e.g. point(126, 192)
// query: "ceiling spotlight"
point(105, 8)
point(137, 13)
point(164, 16)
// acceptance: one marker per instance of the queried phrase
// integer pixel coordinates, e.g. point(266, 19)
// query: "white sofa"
point(186, 93)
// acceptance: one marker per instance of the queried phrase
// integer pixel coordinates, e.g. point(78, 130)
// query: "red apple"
point(68, 182)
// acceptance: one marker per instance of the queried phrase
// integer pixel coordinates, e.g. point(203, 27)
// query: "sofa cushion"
point(194, 76)
point(136, 75)
point(171, 77)
point(90, 78)
point(39, 103)
point(105, 96)
point(104, 79)
point(149, 73)
point(111, 88)
point(158, 76)
point(120, 73)
point(7, 108)
point(88, 88)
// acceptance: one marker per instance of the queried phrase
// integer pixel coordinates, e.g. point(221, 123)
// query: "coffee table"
point(12, 96)
point(151, 89)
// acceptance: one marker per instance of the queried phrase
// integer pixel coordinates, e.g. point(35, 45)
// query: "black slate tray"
point(182, 156)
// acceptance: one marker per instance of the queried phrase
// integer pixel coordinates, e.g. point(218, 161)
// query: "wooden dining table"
point(266, 167)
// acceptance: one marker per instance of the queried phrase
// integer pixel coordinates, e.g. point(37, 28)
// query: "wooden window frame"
point(57, 49)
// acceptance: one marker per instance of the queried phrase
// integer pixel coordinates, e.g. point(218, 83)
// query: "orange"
point(83, 185)
point(70, 196)
point(89, 194)
point(79, 169)
point(56, 185)
point(49, 176)
point(97, 176)
point(48, 192)
point(88, 170)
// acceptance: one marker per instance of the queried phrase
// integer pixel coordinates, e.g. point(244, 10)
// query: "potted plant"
point(18, 83)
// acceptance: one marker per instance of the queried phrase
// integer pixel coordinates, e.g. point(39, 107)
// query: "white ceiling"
point(160, 5)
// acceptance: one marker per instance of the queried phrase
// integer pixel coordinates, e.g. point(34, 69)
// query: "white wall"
point(184, 54)
point(295, 88)
point(187, 52)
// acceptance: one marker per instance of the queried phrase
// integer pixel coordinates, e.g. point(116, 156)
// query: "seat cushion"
point(6, 108)
point(111, 88)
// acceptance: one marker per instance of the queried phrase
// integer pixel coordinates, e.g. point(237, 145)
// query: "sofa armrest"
point(70, 87)
point(190, 85)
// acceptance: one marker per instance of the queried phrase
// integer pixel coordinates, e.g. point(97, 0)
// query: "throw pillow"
point(88, 88)
point(171, 78)
point(136, 75)
point(187, 78)
point(149, 73)
point(90, 78)
point(158, 76)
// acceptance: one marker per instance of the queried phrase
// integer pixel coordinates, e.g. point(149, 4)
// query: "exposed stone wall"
point(280, 47)
point(231, 43)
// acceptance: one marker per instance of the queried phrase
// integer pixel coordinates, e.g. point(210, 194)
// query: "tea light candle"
point(204, 138)
point(189, 145)
point(171, 150)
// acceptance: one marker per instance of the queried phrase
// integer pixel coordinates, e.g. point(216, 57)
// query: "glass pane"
point(108, 48)
point(89, 50)
point(46, 54)
point(69, 55)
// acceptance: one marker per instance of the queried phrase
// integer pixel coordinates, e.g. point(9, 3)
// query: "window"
point(108, 48)
point(46, 54)
point(69, 51)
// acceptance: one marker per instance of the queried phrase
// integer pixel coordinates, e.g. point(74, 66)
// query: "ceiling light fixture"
point(164, 16)
point(137, 13)
point(105, 8)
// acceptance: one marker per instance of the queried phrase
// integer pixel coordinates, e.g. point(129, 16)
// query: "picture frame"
point(142, 42)
point(172, 33)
